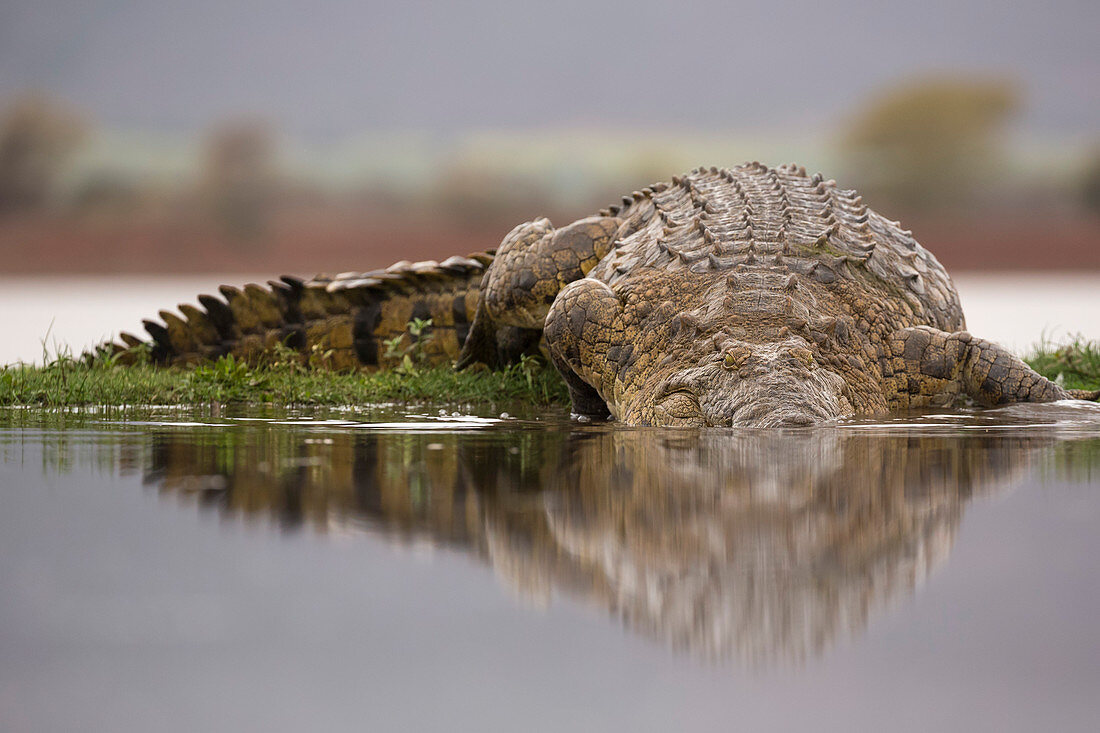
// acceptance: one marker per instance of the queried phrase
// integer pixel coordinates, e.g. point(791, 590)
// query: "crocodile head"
point(740, 384)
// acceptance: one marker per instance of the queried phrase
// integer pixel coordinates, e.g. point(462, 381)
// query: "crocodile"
point(746, 296)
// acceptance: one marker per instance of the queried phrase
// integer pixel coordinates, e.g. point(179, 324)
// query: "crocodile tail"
point(350, 321)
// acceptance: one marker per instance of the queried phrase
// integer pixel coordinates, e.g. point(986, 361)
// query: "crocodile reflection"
point(761, 547)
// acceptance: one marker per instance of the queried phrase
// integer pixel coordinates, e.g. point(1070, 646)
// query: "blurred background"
point(281, 136)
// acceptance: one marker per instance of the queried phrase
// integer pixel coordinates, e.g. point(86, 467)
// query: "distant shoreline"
point(307, 245)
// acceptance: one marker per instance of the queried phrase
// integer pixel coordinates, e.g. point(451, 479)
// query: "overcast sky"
point(330, 69)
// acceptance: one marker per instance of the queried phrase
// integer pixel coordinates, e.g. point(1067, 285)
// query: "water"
point(78, 312)
point(397, 569)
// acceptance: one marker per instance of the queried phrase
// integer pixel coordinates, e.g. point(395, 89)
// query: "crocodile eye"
point(805, 356)
point(736, 357)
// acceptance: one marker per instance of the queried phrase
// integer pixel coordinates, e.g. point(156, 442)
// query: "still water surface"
point(397, 569)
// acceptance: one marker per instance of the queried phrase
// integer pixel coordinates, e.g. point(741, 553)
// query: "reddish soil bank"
point(312, 245)
point(1067, 244)
point(301, 248)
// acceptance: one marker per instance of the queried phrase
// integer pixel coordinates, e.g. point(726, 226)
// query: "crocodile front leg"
point(928, 367)
point(533, 264)
point(583, 327)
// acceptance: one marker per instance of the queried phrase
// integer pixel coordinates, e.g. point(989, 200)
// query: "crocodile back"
point(768, 224)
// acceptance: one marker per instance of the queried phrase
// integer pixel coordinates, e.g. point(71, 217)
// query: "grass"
point(1075, 365)
point(66, 381)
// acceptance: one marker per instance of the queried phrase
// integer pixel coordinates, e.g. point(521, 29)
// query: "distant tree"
point(106, 192)
point(929, 143)
point(240, 175)
point(38, 138)
point(1090, 185)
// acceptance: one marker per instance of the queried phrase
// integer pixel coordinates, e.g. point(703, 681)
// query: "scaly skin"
point(340, 322)
point(747, 297)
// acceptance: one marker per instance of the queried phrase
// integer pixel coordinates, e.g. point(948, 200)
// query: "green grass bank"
point(65, 381)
